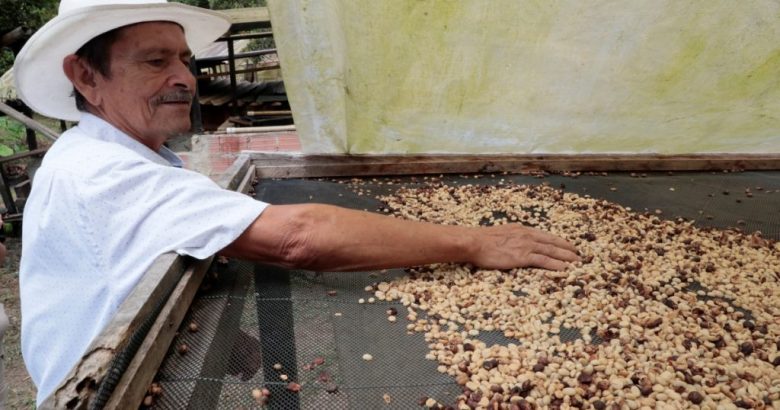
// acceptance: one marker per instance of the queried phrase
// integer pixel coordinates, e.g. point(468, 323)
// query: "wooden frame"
point(282, 165)
point(172, 280)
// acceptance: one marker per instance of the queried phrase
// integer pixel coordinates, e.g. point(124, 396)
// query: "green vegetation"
point(223, 4)
point(31, 14)
point(12, 137)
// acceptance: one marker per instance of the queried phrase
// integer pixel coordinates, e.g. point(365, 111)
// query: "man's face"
point(149, 92)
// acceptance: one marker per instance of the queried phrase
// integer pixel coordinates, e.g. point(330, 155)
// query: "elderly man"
point(110, 197)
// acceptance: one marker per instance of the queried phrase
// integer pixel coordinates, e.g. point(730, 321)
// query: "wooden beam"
point(285, 165)
point(22, 155)
point(246, 183)
point(28, 122)
point(270, 112)
point(249, 18)
point(247, 54)
point(265, 67)
point(232, 177)
point(140, 373)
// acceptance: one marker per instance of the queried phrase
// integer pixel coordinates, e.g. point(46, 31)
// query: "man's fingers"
point(548, 238)
point(546, 262)
point(556, 252)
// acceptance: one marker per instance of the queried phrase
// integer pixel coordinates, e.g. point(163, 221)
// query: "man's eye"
point(157, 62)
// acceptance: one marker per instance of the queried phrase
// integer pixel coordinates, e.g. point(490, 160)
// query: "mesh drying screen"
point(253, 317)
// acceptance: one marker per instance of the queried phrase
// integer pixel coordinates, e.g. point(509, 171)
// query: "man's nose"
point(181, 76)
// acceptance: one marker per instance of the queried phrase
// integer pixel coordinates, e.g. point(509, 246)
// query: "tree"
point(29, 15)
point(223, 4)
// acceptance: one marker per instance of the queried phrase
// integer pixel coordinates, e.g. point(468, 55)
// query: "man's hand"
point(514, 245)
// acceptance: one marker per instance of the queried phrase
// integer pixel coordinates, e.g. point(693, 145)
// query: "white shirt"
point(103, 206)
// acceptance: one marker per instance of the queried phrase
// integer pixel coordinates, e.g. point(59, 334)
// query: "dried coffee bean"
point(490, 364)
point(585, 377)
point(695, 397)
point(746, 348)
point(744, 404)
point(293, 387)
point(331, 388)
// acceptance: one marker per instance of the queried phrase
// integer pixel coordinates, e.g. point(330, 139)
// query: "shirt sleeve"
point(154, 208)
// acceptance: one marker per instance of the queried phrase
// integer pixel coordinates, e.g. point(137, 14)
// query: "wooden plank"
point(262, 67)
point(263, 113)
point(285, 165)
point(140, 373)
point(248, 18)
point(22, 155)
point(246, 183)
point(236, 56)
point(232, 177)
point(78, 388)
point(28, 122)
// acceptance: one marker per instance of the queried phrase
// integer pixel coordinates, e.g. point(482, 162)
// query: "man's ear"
point(83, 78)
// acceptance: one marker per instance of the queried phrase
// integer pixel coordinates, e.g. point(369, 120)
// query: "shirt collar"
point(98, 128)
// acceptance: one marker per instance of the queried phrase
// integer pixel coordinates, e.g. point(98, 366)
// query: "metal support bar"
point(232, 68)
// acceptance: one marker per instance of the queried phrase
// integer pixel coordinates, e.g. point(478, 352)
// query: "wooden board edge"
point(249, 178)
point(79, 385)
point(285, 165)
point(235, 173)
point(133, 385)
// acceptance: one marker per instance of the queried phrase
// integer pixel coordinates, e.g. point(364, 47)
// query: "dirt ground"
point(21, 391)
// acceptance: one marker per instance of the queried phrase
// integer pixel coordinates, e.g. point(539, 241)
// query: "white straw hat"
point(40, 81)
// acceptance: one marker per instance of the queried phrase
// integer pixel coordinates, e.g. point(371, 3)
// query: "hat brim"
point(40, 80)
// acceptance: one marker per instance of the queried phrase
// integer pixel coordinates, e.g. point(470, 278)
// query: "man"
point(109, 197)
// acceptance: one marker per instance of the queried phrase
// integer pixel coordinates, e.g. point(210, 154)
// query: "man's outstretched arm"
point(330, 238)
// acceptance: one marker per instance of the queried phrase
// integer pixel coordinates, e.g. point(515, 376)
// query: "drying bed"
point(330, 333)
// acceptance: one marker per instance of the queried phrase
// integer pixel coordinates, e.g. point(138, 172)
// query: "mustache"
point(178, 96)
